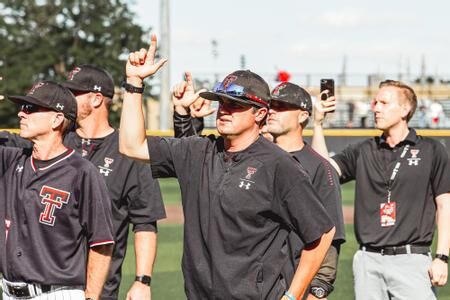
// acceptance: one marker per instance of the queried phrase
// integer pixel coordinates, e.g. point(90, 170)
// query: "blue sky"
point(304, 36)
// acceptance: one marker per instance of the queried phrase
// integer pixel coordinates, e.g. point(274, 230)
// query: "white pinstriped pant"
point(63, 293)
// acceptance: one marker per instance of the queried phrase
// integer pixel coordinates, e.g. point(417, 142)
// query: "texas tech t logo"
point(52, 198)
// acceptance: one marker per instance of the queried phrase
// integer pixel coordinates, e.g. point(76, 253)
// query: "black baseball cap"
point(242, 86)
point(294, 95)
point(90, 78)
point(50, 95)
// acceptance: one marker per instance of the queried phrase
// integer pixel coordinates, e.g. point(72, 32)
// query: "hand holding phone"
point(326, 85)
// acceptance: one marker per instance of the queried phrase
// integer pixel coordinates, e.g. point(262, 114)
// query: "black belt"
point(396, 250)
point(26, 290)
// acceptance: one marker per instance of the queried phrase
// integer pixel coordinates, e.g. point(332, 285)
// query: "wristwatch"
point(144, 279)
point(318, 292)
point(131, 88)
point(442, 257)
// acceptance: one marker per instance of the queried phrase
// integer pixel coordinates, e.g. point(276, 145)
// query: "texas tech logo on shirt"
point(105, 169)
point(52, 198)
point(246, 183)
point(414, 160)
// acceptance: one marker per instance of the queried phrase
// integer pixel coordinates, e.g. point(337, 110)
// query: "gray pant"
point(392, 277)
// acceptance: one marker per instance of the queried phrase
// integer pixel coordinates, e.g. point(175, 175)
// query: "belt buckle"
point(19, 291)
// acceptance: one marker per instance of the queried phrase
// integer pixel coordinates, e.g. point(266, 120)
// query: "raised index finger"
point(188, 78)
point(152, 49)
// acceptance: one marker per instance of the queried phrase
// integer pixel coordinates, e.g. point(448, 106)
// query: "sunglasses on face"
point(232, 105)
point(280, 106)
point(29, 108)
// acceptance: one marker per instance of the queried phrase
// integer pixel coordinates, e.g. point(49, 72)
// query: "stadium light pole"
point(164, 50)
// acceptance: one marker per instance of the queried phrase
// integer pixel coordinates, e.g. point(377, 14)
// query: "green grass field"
point(167, 278)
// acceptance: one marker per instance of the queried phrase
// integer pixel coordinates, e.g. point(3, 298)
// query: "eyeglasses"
point(29, 108)
point(281, 106)
point(236, 91)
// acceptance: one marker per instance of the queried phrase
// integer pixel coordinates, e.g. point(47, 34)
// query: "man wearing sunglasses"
point(135, 201)
point(57, 214)
point(241, 194)
point(289, 113)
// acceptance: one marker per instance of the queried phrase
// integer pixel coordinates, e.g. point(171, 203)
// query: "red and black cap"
point(242, 86)
point(90, 78)
point(293, 95)
point(50, 95)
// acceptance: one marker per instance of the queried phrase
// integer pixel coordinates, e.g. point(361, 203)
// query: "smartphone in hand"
point(327, 84)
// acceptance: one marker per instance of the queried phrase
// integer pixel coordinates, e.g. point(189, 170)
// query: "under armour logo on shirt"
point(97, 88)
point(414, 160)
point(19, 169)
point(105, 169)
point(245, 185)
point(85, 142)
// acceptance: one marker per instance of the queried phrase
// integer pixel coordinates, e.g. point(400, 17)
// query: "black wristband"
point(442, 257)
point(131, 88)
point(144, 279)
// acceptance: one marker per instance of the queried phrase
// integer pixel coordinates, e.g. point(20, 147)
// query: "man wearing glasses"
point(135, 201)
point(289, 113)
point(57, 216)
point(241, 194)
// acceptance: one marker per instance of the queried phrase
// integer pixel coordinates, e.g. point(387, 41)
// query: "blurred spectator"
point(436, 114)
point(1, 96)
point(283, 76)
point(351, 112)
point(423, 121)
point(362, 110)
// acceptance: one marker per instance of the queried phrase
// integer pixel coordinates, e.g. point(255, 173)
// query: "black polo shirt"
point(325, 181)
point(423, 174)
point(135, 195)
point(239, 209)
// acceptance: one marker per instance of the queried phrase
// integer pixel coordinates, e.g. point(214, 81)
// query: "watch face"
point(318, 292)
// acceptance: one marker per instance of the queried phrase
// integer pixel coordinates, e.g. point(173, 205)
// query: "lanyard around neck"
point(395, 171)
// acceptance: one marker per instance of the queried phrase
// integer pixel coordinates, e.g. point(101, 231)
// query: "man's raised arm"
point(140, 65)
point(318, 140)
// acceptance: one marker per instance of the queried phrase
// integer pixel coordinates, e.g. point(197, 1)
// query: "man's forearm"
point(132, 138)
point(145, 251)
point(326, 275)
point(318, 144)
point(183, 126)
point(310, 260)
point(318, 140)
point(443, 224)
point(99, 259)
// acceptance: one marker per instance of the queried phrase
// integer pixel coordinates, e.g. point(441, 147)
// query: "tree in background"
point(43, 39)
